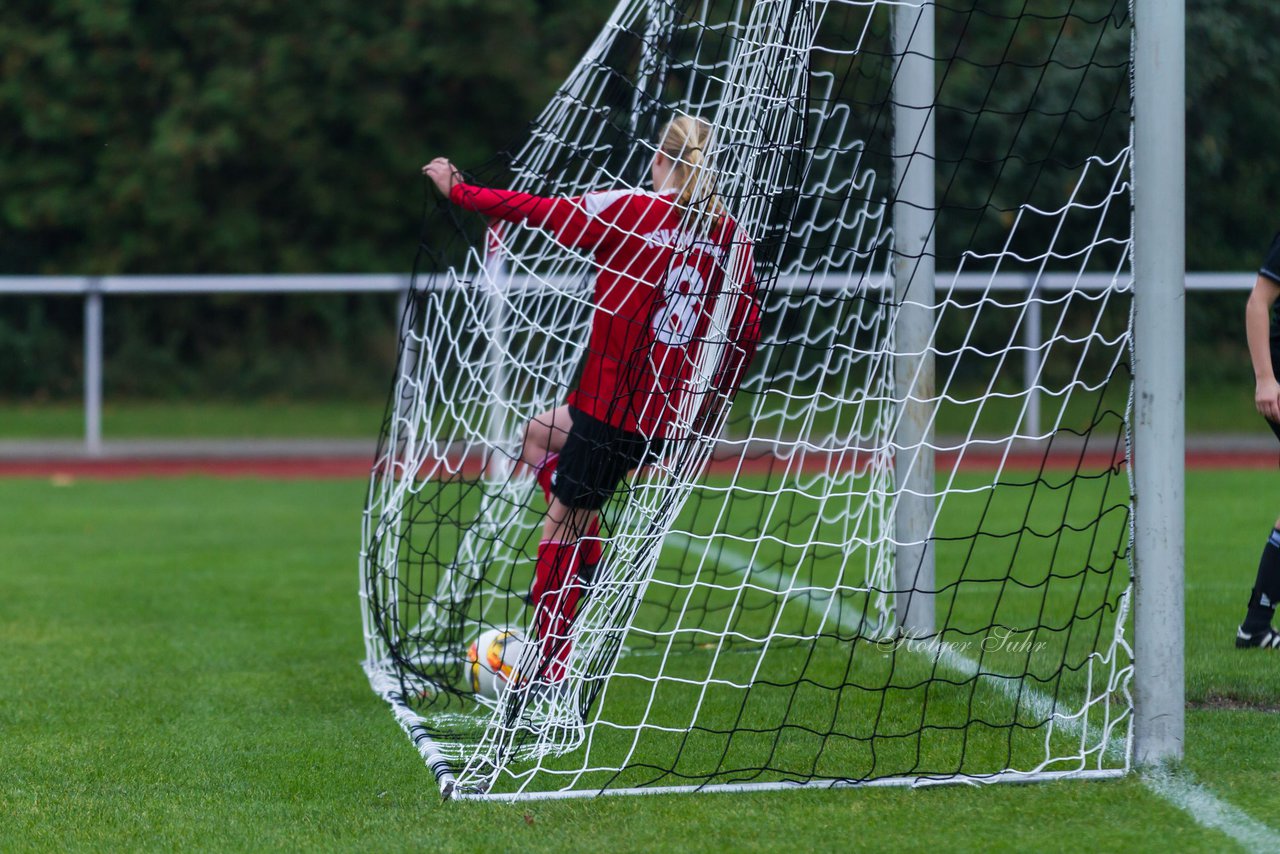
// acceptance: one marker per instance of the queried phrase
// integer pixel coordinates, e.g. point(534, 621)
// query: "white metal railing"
point(93, 289)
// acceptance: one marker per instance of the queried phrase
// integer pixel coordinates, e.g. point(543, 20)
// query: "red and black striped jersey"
point(675, 322)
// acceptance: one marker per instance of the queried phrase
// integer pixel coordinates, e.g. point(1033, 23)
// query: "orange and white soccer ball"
point(492, 661)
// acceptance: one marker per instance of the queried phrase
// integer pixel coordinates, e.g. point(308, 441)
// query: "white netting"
point(741, 626)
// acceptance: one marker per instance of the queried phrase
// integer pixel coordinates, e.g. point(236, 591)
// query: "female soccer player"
point(1263, 333)
point(665, 261)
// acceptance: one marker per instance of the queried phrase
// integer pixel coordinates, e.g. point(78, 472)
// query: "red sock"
point(554, 596)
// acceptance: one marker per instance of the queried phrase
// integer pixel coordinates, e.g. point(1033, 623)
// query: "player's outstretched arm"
point(567, 218)
point(1257, 323)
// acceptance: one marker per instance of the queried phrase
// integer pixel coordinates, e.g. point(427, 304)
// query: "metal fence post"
point(1031, 339)
point(93, 367)
point(499, 466)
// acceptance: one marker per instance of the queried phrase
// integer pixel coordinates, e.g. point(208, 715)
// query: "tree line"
point(281, 136)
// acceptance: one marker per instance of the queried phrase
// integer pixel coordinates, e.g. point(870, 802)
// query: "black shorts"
point(596, 456)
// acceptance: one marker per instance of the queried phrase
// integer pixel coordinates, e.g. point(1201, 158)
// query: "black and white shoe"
point(1268, 638)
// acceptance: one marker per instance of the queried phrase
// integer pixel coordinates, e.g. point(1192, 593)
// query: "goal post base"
point(414, 726)
point(728, 788)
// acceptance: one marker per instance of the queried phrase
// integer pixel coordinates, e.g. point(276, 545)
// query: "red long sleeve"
point(565, 217)
point(502, 204)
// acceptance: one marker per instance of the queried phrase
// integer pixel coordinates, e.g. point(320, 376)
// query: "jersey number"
point(673, 322)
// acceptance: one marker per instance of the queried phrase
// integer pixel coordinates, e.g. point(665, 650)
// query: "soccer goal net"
point(897, 550)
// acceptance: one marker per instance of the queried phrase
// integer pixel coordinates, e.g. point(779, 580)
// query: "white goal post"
point(1159, 430)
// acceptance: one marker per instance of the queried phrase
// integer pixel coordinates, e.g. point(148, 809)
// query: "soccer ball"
point(492, 662)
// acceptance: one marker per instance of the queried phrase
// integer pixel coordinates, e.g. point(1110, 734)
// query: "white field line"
point(781, 584)
point(942, 653)
point(1181, 790)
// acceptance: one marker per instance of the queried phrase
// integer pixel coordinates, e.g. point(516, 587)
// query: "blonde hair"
point(685, 141)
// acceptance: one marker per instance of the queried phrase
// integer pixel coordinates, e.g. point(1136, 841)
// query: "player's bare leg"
point(567, 524)
point(545, 435)
point(544, 438)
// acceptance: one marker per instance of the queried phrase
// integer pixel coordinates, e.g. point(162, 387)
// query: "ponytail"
point(685, 140)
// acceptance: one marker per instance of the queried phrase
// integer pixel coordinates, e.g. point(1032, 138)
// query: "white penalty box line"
point(940, 652)
point(1177, 788)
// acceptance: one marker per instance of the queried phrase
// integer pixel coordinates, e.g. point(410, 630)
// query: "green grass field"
point(1210, 409)
point(339, 419)
point(182, 673)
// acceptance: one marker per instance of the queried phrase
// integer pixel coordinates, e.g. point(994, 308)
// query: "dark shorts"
point(596, 456)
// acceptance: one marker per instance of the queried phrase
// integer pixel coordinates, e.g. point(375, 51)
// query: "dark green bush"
point(278, 136)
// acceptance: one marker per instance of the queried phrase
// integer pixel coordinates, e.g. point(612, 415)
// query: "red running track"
point(359, 467)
